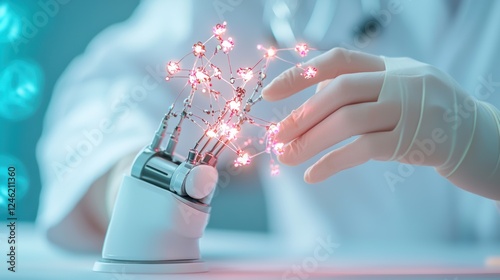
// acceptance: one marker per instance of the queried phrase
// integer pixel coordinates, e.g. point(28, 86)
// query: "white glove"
point(402, 109)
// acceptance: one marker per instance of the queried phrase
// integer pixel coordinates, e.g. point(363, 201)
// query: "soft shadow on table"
point(237, 255)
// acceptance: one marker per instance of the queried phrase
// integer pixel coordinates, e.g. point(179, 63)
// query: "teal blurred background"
point(38, 39)
point(44, 36)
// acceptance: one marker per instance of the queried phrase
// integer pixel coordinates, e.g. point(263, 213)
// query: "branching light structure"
point(174, 194)
point(228, 110)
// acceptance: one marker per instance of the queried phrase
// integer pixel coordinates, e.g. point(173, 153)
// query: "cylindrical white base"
point(152, 230)
point(167, 267)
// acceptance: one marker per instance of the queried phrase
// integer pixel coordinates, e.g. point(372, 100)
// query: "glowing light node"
point(242, 159)
point(199, 49)
point(192, 79)
point(273, 129)
point(245, 73)
point(234, 105)
point(232, 132)
point(227, 45)
point(198, 76)
point(173, 67)
point(216, 72)
point(309, 72)
point(302, 49)
point(278, 148)
point(219, 30)
point(271, 52)
point(211, 133)
point(224, 128)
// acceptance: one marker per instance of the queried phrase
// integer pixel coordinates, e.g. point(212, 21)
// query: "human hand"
point(401, 109)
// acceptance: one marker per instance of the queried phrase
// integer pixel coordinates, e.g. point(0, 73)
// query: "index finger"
point(331, 64)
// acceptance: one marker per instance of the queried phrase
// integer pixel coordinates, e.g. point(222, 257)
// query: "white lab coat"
point(119, 81)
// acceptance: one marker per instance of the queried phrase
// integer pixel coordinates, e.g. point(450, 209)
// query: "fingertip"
point(267, 94)
point(307, 176)
point(317, 173)
point(311, 175)
point(290, 156)
point(283, 159)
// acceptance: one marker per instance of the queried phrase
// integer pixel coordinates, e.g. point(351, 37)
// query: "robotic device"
point(163, 207)
point(160, 212)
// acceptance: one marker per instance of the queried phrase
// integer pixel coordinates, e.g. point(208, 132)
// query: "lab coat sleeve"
point(105, 106)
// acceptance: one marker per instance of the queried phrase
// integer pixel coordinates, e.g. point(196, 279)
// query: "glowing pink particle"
point(211, 133)
point(198, 76)
point(232, 132)
point(219, 30)
point(227, 45)
point(192, 79)
point(199, 49)
point(216, 72)
point(234, 105)
point(302, 49)
point(271, 52)
point(278, 148)
point(273, 129)
point(309, 72)
point(242, 159)
point(229, 131)
point(245, 73)
point(224, 127)
point(275, 169)
point(173, 67)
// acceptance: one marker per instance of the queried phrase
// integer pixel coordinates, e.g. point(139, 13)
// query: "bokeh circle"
point(20, 90)
point(21, 180)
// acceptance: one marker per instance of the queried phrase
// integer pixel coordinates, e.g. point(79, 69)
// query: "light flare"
point(302, 49)
point(219, 30)
point(227, 45)
point(309, 72)
point(242, 159)
point(173, 67)
point(199, 49)
point(245, 73)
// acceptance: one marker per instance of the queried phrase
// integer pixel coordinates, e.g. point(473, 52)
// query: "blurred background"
point(38, 39)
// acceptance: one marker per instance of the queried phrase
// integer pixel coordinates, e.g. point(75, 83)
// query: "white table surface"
point(248, 256)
